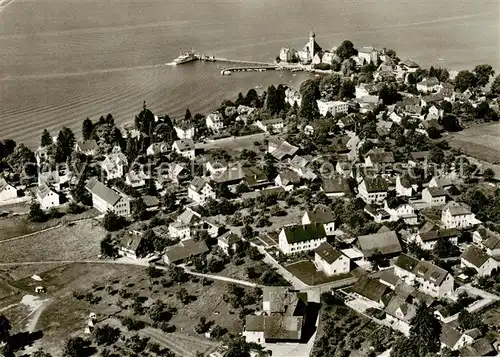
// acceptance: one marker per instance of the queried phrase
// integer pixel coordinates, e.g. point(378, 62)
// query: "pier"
point(250, 66)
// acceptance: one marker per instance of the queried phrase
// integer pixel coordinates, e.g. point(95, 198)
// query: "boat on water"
point(185, 58)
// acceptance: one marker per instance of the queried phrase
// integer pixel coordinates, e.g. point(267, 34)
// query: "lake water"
point(64, 60)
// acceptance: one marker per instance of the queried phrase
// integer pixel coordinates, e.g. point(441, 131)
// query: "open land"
point(479, 141)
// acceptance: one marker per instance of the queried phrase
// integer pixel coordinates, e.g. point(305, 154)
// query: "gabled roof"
point(321, 215)
point(376, 184)
point(102, 191)
point(370, 288)
point(289, 177)
point(457, 208)
point(303, 233)
point(188, 217)
point(328, 253)
point(380, 157)
point(283, 150)
point(398, 304)
point(406, 262)
point(4, 184)
point(449, 335)
point(87, 145)
point(409, 63)
point(439, 234)
point(429, 82)
point(185, 144)
point(436, 191)
point(419, 155)
point(283, 327)
point(131, 241)
point(197, 184)
point(481, 347)
point(335, 185)
point(185, 249)
point(386, 243)
point(475, 256)
point(492, 242)
point(44, 190)
point(229, 238)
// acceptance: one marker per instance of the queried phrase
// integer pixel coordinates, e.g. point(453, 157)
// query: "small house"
point(330, 260)
point(457, 215)
point(373, 189)
point(228, 242)
point(87, 147)
point(7, 191)
point(48, 197)
point(214, 122)
point(185, 148)
point(184, 250)
point(384, 243)
point(372, 291)
point(434, 196)
point(474, 257)
point(199, 190)
point(106, 199)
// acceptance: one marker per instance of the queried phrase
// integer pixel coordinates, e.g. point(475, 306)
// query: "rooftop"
point(328, 253)
point(385, 243)
point(475, 256)
point(303, 233)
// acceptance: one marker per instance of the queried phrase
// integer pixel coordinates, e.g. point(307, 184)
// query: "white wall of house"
point(485, 269)
point(457, 221)
point(430, 244)
point(205, 193)
point(184, 133)
point(182, 232)
point(298, 247)
point(52, 199)
point(329, 226)
point(8, 193)
point(434, 201)
point(426, 286)
point(339, 266)
point(370, 197)
point(254, 336)
point(121, 208)
point(401, 190)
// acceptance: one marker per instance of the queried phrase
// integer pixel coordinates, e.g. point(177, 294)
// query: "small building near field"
point(301, 238)
point(330, 260)
point(228, 241)
point(184, 250)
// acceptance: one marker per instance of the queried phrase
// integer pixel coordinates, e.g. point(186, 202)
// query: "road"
point(233, 142)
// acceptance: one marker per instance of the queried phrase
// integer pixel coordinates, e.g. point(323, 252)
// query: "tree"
point(160, 312)
point(112, 222)
point(389, 94)
point(247, 232)
point(139, 209)
point(87, 129)
point(443, 248)
point(106, 335)
point(75, 347)
point(330, 85)
point(436, 155)
point(41, 353)
point(404, 347)
point(425, 330)
point(272, 101)
point(65, 144)
point(450, 123)
point(495, 86)
point(348, 89)
point(46, 139)
point(346, 50)
point(488, 174)
point(310, 94)
point(483, 73)
point(36, 214)
point(468, 321)
point(108, 248)
point(5, 328)
point(464, 80)
point(188, 115)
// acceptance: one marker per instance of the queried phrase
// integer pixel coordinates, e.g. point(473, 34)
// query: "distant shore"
point(4, 3)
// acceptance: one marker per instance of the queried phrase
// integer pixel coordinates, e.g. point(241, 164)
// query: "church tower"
point(312, 44)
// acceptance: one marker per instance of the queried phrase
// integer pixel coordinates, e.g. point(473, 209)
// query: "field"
point(63, 315)
point(306, 271)
point(481, 142)
point(76, 242)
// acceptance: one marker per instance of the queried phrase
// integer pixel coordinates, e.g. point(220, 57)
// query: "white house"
point(434, 196)
point(115, 164)
point(455, 339)
point(330, 260)
point(424, 276)
point(130, 244)
point(287, 179)
point(87, 147)
point(301, 238)
point(427, 85)
point(215, 122)
point(199, 190)
point(399, 313)
point(487, 240)
point(321, 215)
point(184, 147)
point(47, 196)
point(457, 215)
point(332, 107)
point(228, 241)
point(373, 189)
point(474, 257)
point(428, 240)
point(292, 96)
point(157, 149)
point(134, 179)
point(7, 191)
point(405, 187)
point(105, 199)
point(368, 55)
point(404, 211)
point(188, 223)
point(216, 166)
point(184, 129)
point(276, 125)
point(395, 118)
point(41, 155)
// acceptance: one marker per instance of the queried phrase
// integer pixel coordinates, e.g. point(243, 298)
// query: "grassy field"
point(306, 271)
point(479, 141)
point(65, 315)
point(80, 241)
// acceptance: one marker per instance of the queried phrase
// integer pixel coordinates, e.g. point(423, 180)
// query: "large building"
point(332, 107)
point(106, 199)
point(301, 238)
point(310, 49)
